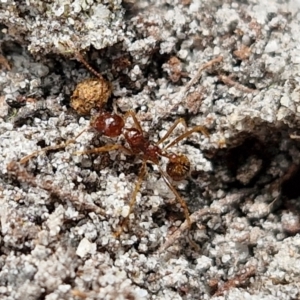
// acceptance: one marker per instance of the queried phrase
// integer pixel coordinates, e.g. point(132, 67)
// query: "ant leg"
point(178, 197)
point(183, 205)
point(137, 124)
point(137, 187)
point(171, 129)
point(182, 136)
point(198, 128)
point(26, 158)
point(106, 148)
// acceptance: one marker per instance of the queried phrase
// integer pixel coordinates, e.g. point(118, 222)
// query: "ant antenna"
point(86, 64)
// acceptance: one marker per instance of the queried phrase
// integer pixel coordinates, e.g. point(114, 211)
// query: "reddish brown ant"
point(178, 166)
point(113, 125)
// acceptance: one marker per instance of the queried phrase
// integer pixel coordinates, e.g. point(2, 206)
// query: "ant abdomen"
point(178, 166)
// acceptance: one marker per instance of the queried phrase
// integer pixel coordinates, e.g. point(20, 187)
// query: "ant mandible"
point(111, 124)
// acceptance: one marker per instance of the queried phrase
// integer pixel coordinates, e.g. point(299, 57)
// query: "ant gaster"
point(136, 143)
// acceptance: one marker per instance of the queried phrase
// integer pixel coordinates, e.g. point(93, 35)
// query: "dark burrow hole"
point(9, 47)
point(51, 205)
point(159, 217)
point(232, 159)
point(291, 187)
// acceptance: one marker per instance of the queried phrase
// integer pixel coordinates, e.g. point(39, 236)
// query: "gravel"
point(60, 210)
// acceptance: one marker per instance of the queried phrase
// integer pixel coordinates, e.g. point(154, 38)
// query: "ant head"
point(178, 166)
point(108, 124)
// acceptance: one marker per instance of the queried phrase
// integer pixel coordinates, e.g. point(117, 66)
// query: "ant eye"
point(178, 167)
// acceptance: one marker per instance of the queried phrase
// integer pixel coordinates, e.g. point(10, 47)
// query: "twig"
point(180, 95)
point(227, 80)
point(236, 281)
point(185, 226)
point(199, 72)
point(4, 62)
point(20, 172)
point(217, 207)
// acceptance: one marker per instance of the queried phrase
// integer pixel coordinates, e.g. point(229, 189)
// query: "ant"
point(112, 125)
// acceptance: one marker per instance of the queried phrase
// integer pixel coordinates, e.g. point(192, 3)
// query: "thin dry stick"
point(181, 94)
point(236, 281)
point(199, 72)
point(4, 62)
point(227, 80)
point(81, 204)
point(218, 207)
point(26, 158)
point(196, 216)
